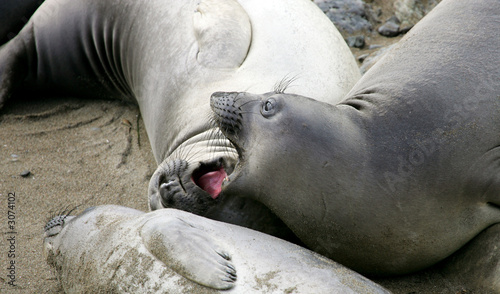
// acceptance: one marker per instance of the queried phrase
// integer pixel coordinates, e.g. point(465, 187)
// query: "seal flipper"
point(189, 251)
point(492, 172)
point(223, 31)
point(484, 176)
point(14, 62)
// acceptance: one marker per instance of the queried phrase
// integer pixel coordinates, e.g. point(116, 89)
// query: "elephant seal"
point(477, 264)
point(122, 250)
point(169, 56)
point(404, 171)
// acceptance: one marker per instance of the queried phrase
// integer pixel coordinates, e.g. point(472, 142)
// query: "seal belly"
point(223, 32)
point(75, 51)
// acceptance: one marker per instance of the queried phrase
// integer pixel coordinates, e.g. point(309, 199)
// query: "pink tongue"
point(212, 182)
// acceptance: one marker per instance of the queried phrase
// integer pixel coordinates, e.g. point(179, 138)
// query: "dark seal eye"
point(268, 107)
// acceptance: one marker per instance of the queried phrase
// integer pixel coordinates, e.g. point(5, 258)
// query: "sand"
point(78, 152)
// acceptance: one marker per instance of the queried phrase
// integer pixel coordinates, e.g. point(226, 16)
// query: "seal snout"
point(167, 183)
point(188, 186)
point(56, 224)
point(227, 114)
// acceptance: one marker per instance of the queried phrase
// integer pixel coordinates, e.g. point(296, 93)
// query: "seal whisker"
point(65, 210)
point(248, 102)
point(214, 137)
point(281, 86)
point(59, 218)
point(250, 112)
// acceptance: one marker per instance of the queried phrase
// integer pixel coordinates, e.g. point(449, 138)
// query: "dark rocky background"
point(371, 27)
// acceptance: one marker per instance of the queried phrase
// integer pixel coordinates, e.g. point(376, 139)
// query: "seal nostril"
point(163, 189)
point(161, 180)
point(167, 185)
point(166, 197)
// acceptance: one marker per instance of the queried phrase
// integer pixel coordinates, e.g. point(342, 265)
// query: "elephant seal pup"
point(403, 172)
point(114, 249)
point(169, 56)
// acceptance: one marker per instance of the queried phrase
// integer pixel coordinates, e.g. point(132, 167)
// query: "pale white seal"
point(113, 249)
point(169, 56)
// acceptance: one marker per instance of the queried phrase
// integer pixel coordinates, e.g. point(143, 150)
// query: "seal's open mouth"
point(209, 177)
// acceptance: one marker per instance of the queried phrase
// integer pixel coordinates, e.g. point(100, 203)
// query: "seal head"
point(400, 174)
point(319, 168)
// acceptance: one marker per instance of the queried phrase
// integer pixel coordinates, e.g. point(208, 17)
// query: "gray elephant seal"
point(403, 172)
point(122, 250)
point(169, 56)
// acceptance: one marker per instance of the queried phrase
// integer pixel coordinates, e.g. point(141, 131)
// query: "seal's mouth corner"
point(214, 175)
point(55, 224)
point(209, 177)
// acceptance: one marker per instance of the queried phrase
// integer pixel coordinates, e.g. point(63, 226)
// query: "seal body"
point(169, 57)
point(171, 251)
point(402, 173)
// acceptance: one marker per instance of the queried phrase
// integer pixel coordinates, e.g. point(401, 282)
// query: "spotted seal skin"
point(403, 172)
point(169, 56)
point(122, 250)
point(55, 223)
